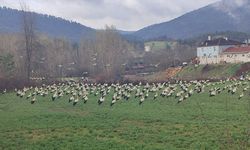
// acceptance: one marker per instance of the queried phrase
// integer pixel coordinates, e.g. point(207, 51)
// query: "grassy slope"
point(159, 45)
point(215, 71)
point(156, 45)
point(191, 72)
point(199, 123)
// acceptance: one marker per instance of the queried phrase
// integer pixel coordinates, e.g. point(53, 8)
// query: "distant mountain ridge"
point(225, 15)
point(10, 22)
point(222, 16)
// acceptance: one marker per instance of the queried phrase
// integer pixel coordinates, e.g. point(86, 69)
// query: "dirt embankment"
point(244, 69)
point(155, 77)
point(213, 72)
point(172, 72)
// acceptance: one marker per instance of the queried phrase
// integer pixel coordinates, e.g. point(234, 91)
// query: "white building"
point(147, 48)
point(209, 51)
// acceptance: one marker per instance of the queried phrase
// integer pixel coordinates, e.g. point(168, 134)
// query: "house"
point(147, 48)
point(238, 54)
point(209, 51)
point(247, 41)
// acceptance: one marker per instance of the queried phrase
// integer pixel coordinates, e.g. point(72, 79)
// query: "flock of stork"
point(112, 93)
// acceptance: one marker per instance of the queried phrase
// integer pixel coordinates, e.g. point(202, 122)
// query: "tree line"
point(105, 56)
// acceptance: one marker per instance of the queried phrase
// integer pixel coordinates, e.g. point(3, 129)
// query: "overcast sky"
point(124, 14)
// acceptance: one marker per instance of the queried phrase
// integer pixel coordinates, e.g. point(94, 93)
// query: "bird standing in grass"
point(212, 93)
point(85, 99)
point(71, 99)
point(241, 96)
point(101, 100)
point(113, 102)
point(142, 100)
point(54, 97)
point(29, 96)
point(33, 100)
point(181, 99)
point(75, 101)
point(155, 96)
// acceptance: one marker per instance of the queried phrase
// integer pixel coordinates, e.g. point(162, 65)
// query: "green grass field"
point(201, 122)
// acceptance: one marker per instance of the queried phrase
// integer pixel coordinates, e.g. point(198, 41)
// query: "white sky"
point(124, 14)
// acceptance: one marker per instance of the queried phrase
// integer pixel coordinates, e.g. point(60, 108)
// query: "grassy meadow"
point(200, 122)
point(160, 45)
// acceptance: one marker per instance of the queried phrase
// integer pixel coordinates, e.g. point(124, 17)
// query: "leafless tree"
point(112, 53)
point(28, 30)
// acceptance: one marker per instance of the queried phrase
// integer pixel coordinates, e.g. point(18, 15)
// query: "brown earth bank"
point(244, 69)
point(161, 76)
point(192, 72)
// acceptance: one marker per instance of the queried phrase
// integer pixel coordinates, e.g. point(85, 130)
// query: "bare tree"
point(112, 52)
point(28, 29)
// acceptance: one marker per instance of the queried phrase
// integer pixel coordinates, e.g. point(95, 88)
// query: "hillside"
point(213, 72)
point(10, 22)
point(219, 71)
point(218, 17)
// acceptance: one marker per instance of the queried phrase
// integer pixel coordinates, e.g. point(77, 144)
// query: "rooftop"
point(240, 49)
point(220, 42)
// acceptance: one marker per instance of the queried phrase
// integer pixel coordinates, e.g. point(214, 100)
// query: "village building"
point(239, 54)
point(212, 50)
point(147, 48)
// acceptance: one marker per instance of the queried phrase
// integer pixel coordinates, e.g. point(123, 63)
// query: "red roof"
point(242, 49)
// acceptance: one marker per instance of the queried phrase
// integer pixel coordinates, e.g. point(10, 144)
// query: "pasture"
point(160, 45)
point(200, 121)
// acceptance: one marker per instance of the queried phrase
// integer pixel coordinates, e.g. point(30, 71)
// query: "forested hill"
point(11, 22)
point(225, 15)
